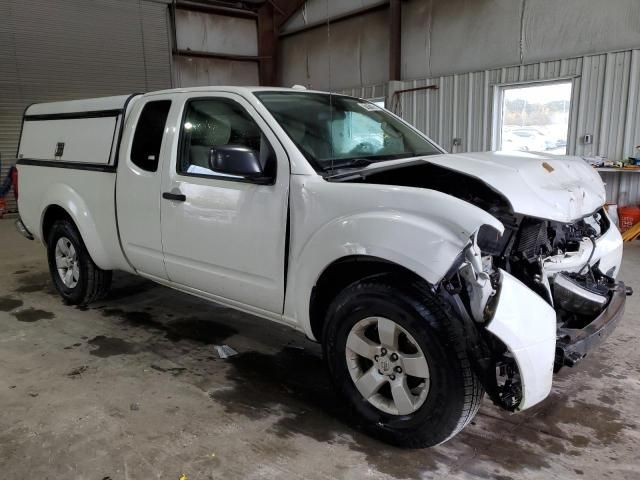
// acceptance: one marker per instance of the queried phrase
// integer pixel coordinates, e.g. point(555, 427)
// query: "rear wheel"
point(400, 362)
point(76, 277)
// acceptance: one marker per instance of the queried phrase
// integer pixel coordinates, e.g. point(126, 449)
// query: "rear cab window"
point(145, 149)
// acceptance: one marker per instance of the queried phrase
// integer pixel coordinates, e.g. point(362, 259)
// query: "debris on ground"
point(76, 372)
point(175, 371)
point(225, 351)
point(134, 407)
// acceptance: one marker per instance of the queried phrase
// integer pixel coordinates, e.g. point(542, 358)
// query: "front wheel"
point(401, 363)
point(77, 279)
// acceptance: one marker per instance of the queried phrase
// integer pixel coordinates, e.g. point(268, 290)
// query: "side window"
point(145, 149)
point(210, 123)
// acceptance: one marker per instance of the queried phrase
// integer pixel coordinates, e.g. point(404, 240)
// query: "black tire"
point(93, 283)
point(454, 394)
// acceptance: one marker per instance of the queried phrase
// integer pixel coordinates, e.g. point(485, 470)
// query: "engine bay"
point(534, 250)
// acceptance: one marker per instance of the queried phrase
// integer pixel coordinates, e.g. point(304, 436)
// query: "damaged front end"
point(535, 299)
point(541, 294)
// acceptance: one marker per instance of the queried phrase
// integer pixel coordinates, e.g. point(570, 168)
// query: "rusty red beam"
point(271, 17)
point(395, 40)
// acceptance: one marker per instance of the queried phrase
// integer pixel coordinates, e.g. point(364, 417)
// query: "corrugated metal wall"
point(215, 34)
point(371, 91)
point(315, 12)
point(605, 105)
point(350, 52)
point(622, 188)
point(65, 49)
point(198, 72)
point(443, 37)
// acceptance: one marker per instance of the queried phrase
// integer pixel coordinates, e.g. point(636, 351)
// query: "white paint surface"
point(41, 137)
point(529, 333)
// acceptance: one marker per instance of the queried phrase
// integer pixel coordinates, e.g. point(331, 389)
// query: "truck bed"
point(86, 191)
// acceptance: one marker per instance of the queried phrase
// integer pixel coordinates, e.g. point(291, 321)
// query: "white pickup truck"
point(429, 278)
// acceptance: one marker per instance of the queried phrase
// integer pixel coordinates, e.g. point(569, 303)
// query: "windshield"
point(334, 131)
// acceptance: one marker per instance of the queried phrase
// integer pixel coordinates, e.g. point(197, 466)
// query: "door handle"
point(176, 197)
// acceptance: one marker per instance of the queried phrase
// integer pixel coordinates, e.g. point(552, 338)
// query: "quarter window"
point(210, 123)
point(145, 150)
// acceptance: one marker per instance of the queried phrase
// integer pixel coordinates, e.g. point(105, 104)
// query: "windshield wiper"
point(338, 170)
point(348, 163)
point(338, 175)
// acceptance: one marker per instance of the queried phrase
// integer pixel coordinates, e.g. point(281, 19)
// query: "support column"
point(395, 40)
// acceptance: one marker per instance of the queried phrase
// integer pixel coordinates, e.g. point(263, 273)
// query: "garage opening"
point(534, 117)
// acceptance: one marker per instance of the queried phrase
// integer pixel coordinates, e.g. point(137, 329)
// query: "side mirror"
point(237, 160)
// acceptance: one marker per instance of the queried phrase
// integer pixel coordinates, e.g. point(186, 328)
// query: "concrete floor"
point(131, 388)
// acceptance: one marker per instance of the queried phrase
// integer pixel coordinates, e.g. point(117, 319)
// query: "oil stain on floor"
point(31, 315)
point(193, 328)
point(35, 282)
point(111, 346)
point(9, 303)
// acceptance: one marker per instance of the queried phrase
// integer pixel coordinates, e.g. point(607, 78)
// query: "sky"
point(540, 94)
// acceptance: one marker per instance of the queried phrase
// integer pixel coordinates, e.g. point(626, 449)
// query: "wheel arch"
point(50, 215)
point(388, 240)
point(343, 272)
point(75, 210)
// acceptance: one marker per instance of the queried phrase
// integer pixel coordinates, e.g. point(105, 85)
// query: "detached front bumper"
point(527, 326)
point(573, 344)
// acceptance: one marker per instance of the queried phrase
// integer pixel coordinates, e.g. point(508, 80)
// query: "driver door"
point(222, 234)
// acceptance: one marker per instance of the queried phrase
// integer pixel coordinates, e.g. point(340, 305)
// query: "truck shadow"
point(280, 376)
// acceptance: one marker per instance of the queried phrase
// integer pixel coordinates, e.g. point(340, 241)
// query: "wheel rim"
point(67, 262)
point(387, 366)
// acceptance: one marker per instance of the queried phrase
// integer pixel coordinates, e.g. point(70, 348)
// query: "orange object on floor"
point(629, 216)
point(3, 207)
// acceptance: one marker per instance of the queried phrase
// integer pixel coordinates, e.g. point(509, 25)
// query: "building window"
point(533, 117)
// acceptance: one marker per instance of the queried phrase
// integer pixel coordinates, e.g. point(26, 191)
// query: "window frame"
point(138, 123)
point(498, 104)
point(229, 177)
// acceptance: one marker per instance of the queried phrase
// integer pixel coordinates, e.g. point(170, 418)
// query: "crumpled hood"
point(557, 188)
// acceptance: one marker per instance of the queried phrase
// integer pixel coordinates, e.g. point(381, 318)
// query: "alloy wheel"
point(67, 262)
point(387, 366)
